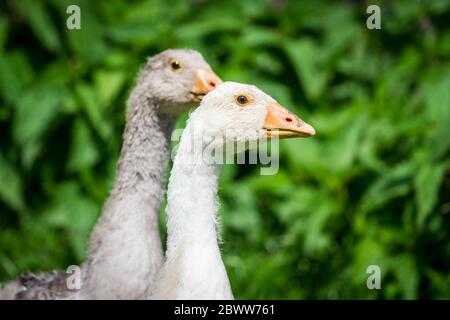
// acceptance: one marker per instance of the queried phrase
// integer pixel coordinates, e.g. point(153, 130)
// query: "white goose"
point(231, 113)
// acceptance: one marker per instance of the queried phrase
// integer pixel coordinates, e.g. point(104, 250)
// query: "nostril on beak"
point(288, 119)
point(205, 80)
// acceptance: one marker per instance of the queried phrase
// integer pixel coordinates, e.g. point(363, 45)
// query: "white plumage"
point(194, 268)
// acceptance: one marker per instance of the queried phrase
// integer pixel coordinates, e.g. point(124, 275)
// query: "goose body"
point(125, 251)
point(194, 268)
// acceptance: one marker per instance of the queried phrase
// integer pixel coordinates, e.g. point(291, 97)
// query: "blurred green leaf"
point(91, 105)
point(437, 98)
point(15, 74)
point(306, 58)
point(11, 189)
point(427, 183)
point(108, 85)
point(74, 212)
point(41, 23)
point(407, 274)
point(84, 152)
point(3, 32)
point(36, 110)
point(394, 183)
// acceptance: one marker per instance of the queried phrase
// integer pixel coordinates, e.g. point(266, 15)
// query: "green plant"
point(371, 188)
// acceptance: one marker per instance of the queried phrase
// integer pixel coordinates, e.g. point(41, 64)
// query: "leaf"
point(3, 32)
point(11, 189)
point(307, 60)
point(243, 215)
point(440, 140)
point(36, 110)
point(347, 144)
point(137, 34)
point(15, 74)
point(224, 21)
point(368, 252)
point(408, 276)
point(393, 183)
point(258, 36)
point(317, 240)
point(88, 42)
point(41, 23)
point(83, 152)
point(91, 105)
point(437, 98)
point(426, 183)
point(108, 84)
point(437, 102)
point(73, 212)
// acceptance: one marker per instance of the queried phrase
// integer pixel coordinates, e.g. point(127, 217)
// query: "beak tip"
point(278, 118)
point(205, 81)
point(310, 131)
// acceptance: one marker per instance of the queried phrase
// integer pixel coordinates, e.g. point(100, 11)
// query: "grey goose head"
point(177, 79)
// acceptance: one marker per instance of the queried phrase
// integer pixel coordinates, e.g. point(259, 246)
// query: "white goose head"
point(242, 113)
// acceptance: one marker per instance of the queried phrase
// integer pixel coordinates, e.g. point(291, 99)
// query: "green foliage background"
point(371, 188)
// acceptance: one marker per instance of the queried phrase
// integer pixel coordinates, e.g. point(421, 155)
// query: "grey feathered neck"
point(127, 233)
point(146, 131)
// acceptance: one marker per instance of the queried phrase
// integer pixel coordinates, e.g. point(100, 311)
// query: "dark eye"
point(242, 100)
point(176, 65)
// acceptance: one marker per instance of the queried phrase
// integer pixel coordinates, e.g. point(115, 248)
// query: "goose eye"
point(176, 65)
point(242, 100)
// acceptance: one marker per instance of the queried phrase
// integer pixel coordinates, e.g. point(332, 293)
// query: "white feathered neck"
point(194, 268)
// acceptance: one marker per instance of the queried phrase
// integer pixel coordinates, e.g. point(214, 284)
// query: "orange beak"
point(280, 123)
point(205, 81)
